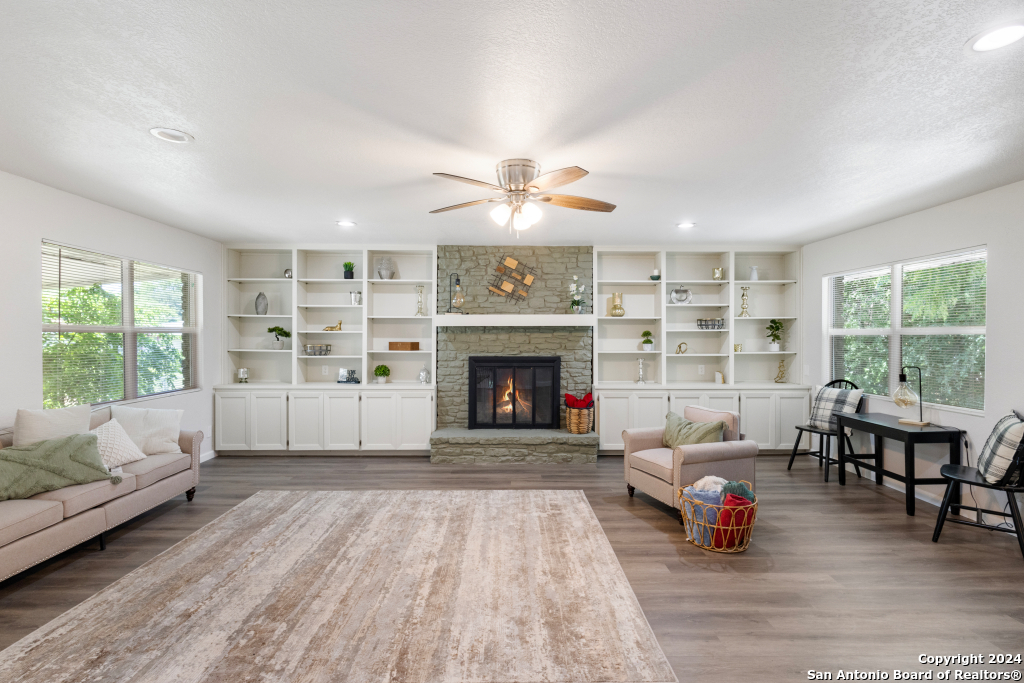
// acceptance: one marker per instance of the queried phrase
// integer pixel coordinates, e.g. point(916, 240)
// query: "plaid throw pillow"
point(996, 457)
point(831, 400)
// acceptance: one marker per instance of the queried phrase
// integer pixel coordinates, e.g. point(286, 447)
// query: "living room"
point(545, 342)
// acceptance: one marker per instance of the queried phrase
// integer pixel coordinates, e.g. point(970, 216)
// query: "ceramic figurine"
point(261, 304)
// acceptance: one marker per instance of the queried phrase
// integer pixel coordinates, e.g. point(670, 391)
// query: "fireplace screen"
point(514, 392)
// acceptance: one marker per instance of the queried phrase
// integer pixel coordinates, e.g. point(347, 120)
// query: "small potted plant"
point(280, 334)
point(576, 295)
point(349, 270)
point(774, 333)
point(381, 374)
point(646, 341)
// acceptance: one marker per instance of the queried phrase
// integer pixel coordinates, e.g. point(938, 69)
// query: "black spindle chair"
point(824, 452)
point(1011, 483)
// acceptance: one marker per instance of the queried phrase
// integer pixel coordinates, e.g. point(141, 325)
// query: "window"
point(115, 329)
point(929, 313)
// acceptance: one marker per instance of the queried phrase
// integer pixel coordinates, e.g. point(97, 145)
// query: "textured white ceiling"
point(775, 121)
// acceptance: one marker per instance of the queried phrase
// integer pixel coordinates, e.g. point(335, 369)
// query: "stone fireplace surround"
point(453, 442)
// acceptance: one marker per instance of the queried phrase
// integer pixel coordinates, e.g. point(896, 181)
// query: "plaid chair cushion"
point(996, 457)
point(832, 400)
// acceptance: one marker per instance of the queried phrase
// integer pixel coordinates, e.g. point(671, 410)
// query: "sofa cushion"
point(682, 432)
point(157, 467)
point(82, 497)
point(731, 420)
point(153, 430)
point(19, 518)
point(33, 426)
point(656, 462)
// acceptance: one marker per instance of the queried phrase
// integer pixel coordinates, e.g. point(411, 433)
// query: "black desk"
point(888, 427)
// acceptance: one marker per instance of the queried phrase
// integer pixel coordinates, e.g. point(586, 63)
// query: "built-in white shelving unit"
point(648, 306)
point(318, 296)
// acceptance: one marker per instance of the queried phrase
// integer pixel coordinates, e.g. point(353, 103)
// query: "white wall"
point(994, 219)
point(31, 212)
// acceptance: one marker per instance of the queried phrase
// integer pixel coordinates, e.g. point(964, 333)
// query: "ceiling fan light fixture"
point(520, 221)
point(686, 224)
point(346, 224)
point(500, 214)
point(532, 213)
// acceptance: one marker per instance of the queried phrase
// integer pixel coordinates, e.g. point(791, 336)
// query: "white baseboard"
point(208, 455)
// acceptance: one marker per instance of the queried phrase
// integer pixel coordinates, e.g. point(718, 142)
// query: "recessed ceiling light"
point(995, 38)
point(346, 224)
point(171, 135)
point(686, 224)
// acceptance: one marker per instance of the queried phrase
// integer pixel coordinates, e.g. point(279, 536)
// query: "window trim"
point(896, 330)
point(127, 329)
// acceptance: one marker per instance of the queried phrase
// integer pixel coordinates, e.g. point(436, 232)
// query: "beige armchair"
point(660, 471)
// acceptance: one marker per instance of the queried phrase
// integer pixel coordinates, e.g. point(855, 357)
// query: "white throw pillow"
point(115, 446)
point(32, 426)
point(153, 431)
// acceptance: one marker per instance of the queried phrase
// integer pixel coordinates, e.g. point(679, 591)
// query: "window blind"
point(938, 325)
point(114, 328)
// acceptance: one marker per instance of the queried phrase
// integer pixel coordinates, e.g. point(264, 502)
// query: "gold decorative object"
point(513, 279)
point(781, 377)
point(682, 348)
point(738, 348)
point(333, 328)
point(744, 313)
point(420, 310)
point(617, 310)
point(717, 273)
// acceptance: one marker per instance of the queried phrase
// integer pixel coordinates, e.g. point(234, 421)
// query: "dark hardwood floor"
point(834, 578)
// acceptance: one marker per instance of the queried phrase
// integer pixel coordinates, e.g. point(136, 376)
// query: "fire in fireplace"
point(514, 392)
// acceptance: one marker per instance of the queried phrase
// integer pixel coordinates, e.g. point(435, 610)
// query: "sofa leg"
point(630, 490)
point(190, 494)
point(103, 541)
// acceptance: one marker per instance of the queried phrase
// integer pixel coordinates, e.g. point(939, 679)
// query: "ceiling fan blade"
point(550, 181)
point(478, 183)
point(462, 206)
point(571, 202)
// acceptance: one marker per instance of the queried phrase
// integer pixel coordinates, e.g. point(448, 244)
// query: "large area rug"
point(404, 586)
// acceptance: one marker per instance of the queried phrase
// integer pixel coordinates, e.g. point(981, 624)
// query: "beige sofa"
point(47, 524)
point(660, 471)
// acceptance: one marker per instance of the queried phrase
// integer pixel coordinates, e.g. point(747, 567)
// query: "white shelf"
point(427, 351)
point(515, 320)
point(748, 283)
point(330, 332)
point(327, 356)
point(630, 283)
point(630, 317)
point(698, 305)
point(765, 353)
point(766, 317)
point(676, 280)
point(318, 280)
point(688, 330)
point(330, 306)
point(259, 350)
point(697, 355)
point(399, 282)
point(254, 315)
point(628, 353)
point(259, 279)
point(399, 317)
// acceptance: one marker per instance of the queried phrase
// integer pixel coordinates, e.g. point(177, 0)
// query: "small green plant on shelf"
point(646, 341)
point(349, 270)
point(774, 333)
point(382, 372)
point(280, 334)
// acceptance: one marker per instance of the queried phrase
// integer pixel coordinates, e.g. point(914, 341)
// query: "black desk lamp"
point(905, 397)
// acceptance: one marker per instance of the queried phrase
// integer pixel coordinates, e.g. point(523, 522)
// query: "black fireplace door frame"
point(495, 362)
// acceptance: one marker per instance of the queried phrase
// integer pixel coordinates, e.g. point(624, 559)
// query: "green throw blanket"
point(50, 465)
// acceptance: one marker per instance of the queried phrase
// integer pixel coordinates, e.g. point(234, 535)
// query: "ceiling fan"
point(521, 186)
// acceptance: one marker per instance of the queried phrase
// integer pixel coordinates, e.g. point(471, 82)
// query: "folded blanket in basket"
point(738, 488)
point(727, 533)
point(701, 513)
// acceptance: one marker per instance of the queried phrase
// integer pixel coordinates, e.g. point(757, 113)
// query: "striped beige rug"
point(404, 586)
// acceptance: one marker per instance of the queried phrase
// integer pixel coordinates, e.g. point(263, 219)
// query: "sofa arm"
point(714, 452)
point(634, 440)
point(190, 443)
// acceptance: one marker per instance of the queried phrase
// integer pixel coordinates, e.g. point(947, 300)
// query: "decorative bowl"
point(655, 277)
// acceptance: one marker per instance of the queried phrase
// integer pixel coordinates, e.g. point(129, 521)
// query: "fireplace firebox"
point(514, 392)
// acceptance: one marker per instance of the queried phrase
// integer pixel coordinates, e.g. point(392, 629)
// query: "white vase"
point(278, 344)
point(753, 274)
point(773, 347)
point(648, 347)
point(380, 380)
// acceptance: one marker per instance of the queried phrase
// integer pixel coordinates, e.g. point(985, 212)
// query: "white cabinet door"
point(613, 417)
point(757, 417)
point(341, 421)
point(269, 422)
point(379, 420)
point(305, 421)
point(680, 399)
point(793, 409)
point(649, 409)
point(231, 421)
point(414, 420)
point(723, 400)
